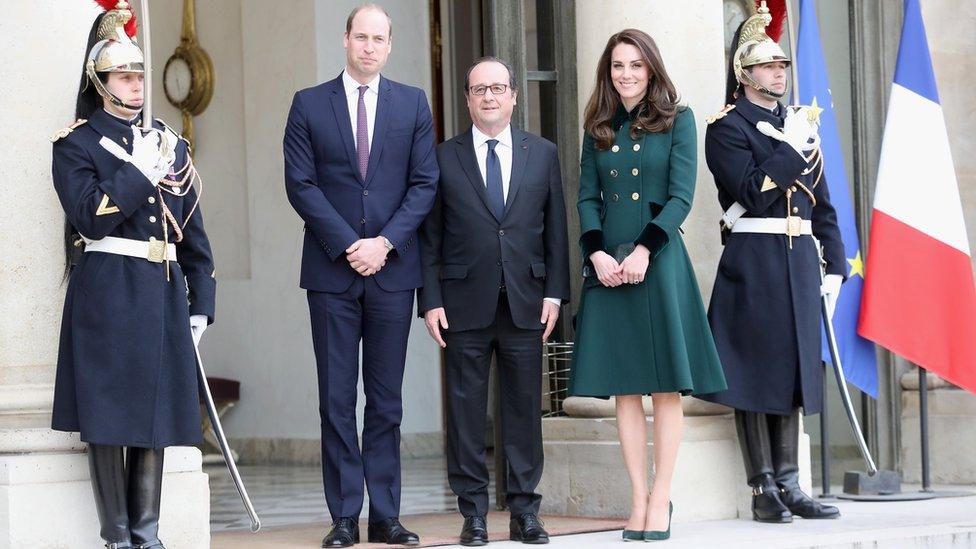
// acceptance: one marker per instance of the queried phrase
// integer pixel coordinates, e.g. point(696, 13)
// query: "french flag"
point(919, 297)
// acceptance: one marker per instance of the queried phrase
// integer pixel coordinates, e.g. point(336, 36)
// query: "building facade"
point(262, 53)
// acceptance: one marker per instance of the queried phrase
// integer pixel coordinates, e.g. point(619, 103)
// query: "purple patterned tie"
point(362, 136)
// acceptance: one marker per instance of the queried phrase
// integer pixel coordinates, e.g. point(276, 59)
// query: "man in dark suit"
point(496, 270)
point(360, 170)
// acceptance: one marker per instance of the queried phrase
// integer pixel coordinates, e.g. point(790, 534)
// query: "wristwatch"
point(387, 243)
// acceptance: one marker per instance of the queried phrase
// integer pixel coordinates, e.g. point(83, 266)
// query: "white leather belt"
point(154, 250)
point(789, 226)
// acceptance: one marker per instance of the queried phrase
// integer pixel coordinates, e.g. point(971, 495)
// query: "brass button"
point(613, 173)
point(634, 172)
point(795, 209)
point(635, 197)
point(152, 199)
point(152, 219)
point(615, 148)
point(615, 197)
point(636, 147)
point(793, 188)
point(152, 239)
point(126, 141)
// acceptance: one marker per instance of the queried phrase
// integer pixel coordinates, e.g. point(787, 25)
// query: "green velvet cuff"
point(654, 238)
point(591, 241)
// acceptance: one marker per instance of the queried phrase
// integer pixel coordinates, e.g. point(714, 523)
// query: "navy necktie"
point(493, 180)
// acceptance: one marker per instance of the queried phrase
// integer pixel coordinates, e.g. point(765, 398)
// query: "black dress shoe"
point(805, 506)
point(474, 533)
point(391, 532)
point(528, 528)
point(344, 533)
point(767, 507)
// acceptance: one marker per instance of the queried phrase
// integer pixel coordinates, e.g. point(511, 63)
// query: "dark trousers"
point(381, 320)
point(468, 358)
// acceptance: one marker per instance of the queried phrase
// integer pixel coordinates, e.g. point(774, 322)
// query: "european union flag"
point(857, 354)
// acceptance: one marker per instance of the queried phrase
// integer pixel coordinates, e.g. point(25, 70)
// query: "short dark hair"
point(368, 6)
point(492, 59)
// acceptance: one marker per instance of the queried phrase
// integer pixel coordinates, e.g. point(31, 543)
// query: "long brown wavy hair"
point(655, 112)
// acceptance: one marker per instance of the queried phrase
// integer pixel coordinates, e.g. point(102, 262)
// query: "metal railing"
point(556, 359)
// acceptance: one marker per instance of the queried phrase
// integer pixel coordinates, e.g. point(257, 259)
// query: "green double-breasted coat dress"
point(651, 337)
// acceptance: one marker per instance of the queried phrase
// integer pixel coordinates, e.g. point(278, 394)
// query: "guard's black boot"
point(753, 432)
point(784, 433)
point(145, 488)
point(108, 486)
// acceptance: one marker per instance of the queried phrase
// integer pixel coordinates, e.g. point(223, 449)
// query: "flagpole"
point(824, 441)
point(794, 72)
point(923, 426)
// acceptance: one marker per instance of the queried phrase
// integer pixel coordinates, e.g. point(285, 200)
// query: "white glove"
point(799, 132)
point(146, 156)
point(167, 145)
point(198, 325)
point(830, 288)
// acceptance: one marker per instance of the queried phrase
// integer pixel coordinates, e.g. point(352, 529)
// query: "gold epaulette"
point(720, 114)
point(63, 132)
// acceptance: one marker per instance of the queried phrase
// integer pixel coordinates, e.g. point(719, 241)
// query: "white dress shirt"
point(352, 100)
point(504, 151)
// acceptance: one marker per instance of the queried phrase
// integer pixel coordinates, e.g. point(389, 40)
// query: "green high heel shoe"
point(658, 535)
point(633, 535)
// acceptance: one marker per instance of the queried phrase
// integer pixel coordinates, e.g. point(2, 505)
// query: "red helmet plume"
point(130, 27)
point(777, 9)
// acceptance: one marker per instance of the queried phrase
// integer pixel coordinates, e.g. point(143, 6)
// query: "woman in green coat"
point(641, 326)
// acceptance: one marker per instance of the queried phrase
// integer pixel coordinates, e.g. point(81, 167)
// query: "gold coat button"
point(795, 209)
point(152, 199)
point(126, 141)
point(615, 197)
point(152, 219)
point(615, 148)
point(793, 188)
point(636, 147)
point(635, 197)
point(613, 173)
point(634, 172)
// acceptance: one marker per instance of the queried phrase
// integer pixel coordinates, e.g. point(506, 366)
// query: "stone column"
point(45, 494)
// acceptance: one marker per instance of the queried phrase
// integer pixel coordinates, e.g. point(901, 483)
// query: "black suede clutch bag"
point(619, 254)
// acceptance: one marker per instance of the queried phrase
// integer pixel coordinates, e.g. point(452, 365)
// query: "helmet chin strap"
point(122, 105)
point(749, 82)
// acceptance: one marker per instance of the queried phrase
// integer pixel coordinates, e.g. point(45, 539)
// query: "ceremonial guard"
point(765, 308)
point(140, 290)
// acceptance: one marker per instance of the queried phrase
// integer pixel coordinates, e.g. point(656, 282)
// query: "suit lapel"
point(520, 153)
point(383, 104)
point(341, 110)
point(469, 163)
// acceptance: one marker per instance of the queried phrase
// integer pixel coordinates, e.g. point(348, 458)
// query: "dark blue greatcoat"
point(126, 372)
point(765, 306)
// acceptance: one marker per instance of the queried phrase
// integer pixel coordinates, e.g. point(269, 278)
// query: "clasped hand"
point(367, 256)
point(631, 271)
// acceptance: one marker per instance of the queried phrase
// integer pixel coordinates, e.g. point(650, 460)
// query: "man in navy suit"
point(361, 171)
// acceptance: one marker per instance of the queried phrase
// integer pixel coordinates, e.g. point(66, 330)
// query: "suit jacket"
point(467, 252)
point(338, 206)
